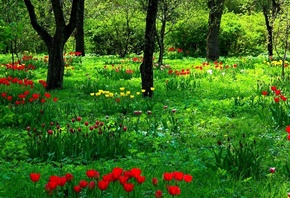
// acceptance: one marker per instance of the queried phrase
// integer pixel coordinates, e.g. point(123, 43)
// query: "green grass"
point(225, 106)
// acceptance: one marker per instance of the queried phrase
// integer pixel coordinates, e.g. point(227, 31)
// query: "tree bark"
point(80, 41)
point(56, 43)
point(214, 21)
point(161, 42)
point(146, 67)
point(270, 32)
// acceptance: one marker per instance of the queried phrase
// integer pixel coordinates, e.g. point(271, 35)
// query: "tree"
point(167, 13)
point(214, 21)
point(270, 9)
point(282, 34)
point(146, 67)
point(79, 36)
point(55, 43)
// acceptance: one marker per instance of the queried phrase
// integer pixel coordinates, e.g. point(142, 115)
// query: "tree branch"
point(33, 20)
point(58, 13)
point(73, 17)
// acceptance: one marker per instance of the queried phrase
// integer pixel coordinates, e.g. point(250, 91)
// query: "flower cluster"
point(137, 59)
point(19, 67)
point(216, 65)
point(127, 179)
point(24, 95)
point(179, 73)
point(277, 94)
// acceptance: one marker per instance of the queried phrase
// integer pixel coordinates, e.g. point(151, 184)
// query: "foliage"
point(195, 104)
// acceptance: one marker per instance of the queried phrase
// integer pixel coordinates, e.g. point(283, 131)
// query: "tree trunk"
point(215, 15)
point(270, 32)
point(55, 65)
point(80, 42)
point(56, 43)
point(146, 67)
point(161, 42)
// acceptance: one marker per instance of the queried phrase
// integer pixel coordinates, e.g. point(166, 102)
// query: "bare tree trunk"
point(214, 21)
point(161, 42)
point(270, 32)
point(146, 67)
point(80, 42)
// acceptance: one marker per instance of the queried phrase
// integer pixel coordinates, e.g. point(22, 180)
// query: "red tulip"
point(178, 176)
point(155, 181)
point(92, 185)
point(34, 177)
point(103, 185)
point(158, 194)
point(69, 177)
point(187, 178)
point(62, 181)
point(77, 189)
point(83, 183)
point(167, 176)
point(93, 174)
point(173, 190)
point(140, 179)
point(128, 187)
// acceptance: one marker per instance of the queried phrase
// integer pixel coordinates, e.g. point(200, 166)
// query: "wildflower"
point(136, 172)
point(178, 176)
point(116, 173)
point(34, 177)
point(92, 185)
point(155, 181)
point(92, 94)
point(187, 178)
point(168, 176)
point(137, 93)
point(143, 90)
point(173, 190)
point(83, 183)
point(92, 174)
point(122, 88)
point(123, 179)
point(86, 123)
point(276, 99)
point(278, 92)
point(283, 97)
point(55, 99)
point(62, 181)
point(158, 194)
point(140, 179)
point(264, 93)
point(128, 187)
point(69, 177)
point(272, 170)
point(152, 88)
point(77, 189)
point(47, 95)
point(103, 185)
point(273, 88)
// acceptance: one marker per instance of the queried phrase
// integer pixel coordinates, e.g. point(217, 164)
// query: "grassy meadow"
point(215, 129)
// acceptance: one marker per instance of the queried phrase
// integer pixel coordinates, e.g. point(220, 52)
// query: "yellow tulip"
point(92, 94)
point(122, 88)
point(152, 88)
